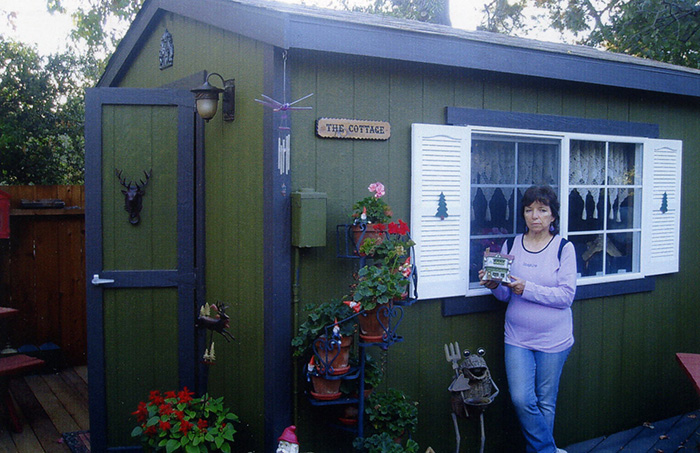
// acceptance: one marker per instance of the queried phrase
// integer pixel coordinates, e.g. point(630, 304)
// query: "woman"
point(539, 325)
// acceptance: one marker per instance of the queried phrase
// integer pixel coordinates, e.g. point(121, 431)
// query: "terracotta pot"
point(371, 232)
point(339, 361)
point(373, 323)
point(325, 389)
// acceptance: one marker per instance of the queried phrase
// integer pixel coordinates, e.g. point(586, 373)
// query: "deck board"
point(679, 433)
point(70, 399)
point(35, 418)
point(60, 417)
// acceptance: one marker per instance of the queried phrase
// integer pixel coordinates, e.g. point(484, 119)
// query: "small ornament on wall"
point(442, 207)
point(167, 50)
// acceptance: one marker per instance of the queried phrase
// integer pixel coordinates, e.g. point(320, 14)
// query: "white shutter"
point(440, 164)
point(661, 211)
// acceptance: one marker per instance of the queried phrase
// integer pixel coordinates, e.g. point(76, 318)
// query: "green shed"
point(455, 124)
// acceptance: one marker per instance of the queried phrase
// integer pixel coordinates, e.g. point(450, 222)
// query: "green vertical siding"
point(234, 243)
point(622, 370)
point(140, 326)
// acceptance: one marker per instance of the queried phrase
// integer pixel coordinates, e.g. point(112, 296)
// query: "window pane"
point(619, 250)
point(622, 164)
point(586, 163)
point(586, 209)
point(493, 162)
point(538, 163)
point(622, 209)
point(589, 256)
point(491, 210)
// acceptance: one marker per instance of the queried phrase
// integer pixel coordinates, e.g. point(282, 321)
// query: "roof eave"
point(289, 27)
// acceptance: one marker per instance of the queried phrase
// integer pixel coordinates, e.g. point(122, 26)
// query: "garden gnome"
point(288, 441)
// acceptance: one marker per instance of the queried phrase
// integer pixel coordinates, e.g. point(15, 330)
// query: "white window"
point(619, 196)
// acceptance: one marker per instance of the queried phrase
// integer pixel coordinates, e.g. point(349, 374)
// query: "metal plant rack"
point(324, 351)
point(327, 350)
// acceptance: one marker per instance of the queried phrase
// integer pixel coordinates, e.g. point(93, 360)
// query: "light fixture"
point(207, 98)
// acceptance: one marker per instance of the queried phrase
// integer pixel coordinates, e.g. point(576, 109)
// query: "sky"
point(35, 25)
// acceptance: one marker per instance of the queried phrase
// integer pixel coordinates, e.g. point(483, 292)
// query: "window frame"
point(564, 129)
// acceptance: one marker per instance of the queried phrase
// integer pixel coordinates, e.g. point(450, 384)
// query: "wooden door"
point(141, 286)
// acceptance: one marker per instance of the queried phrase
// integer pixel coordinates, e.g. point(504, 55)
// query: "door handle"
point(96, 280)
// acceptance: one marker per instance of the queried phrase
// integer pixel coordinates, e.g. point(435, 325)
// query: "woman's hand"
point(517, 285)
point(490, 284)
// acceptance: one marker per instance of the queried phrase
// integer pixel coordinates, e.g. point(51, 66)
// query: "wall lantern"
point(207, 98)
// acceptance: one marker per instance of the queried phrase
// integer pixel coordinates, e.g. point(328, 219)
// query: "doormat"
point(78, 441)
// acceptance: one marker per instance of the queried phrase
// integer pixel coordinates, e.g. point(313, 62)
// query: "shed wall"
point(621, 371)
point(233, 168)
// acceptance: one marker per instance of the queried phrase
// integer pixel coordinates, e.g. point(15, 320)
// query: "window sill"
point(454, 306)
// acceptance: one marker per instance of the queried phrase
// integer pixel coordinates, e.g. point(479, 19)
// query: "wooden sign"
point(356, 129)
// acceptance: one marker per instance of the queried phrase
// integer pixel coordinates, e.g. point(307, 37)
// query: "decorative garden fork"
point(459, 384)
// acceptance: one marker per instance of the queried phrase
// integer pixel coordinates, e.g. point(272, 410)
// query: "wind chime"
point(284, 130)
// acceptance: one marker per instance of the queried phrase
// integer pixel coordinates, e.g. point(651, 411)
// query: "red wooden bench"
point(15, 365)
point(691, 365)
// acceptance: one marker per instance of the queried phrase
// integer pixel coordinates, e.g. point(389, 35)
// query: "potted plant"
point(392, 412)
point(384, 280)
point(383, 443)
point(369, 216)
point(323, 335)
point(177, 422)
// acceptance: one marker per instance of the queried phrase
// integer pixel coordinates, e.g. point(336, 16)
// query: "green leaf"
point(136, 432)
point(172, 445)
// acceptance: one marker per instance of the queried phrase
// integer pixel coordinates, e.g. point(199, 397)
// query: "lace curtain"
point(587, 167)
point(493, 164)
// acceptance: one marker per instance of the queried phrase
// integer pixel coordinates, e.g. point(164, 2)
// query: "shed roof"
point(303, 27)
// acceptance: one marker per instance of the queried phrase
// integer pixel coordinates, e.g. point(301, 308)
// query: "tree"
point(41, 117)
point(99, 27)
point(663, 30)
point(434, 11)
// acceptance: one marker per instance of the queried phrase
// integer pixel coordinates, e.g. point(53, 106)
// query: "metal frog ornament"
point(472, 387)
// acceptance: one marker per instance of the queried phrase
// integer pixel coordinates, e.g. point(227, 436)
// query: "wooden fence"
point(42, 270)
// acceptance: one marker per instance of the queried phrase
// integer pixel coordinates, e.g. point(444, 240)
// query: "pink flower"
point(377, 188)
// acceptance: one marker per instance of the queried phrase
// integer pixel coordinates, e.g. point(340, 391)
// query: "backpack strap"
point(563, 242)
point(510, 242)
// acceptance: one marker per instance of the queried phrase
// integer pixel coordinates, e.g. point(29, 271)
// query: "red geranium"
point(178, 421)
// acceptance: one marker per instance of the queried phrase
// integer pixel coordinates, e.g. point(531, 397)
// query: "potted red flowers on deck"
point(177, 422)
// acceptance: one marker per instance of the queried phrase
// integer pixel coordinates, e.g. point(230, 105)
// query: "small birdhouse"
point(4, 215)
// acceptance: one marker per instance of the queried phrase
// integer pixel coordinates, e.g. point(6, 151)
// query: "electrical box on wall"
point(4, 215)
point(308, 218)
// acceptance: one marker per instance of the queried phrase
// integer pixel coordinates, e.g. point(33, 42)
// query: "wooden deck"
point(675, 434)
point(48, 405)
point(55, 403)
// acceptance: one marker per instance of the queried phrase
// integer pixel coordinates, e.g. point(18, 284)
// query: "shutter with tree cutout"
point(440, 165)
point(661, 206)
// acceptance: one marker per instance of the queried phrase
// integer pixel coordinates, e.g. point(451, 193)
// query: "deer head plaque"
point(133, 195)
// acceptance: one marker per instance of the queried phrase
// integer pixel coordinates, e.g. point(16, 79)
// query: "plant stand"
point(389, 318)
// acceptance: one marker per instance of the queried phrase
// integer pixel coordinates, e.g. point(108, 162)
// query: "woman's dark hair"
point(545, 195)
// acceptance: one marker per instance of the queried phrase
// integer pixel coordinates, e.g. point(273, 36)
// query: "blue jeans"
point(533, 380)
